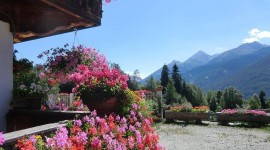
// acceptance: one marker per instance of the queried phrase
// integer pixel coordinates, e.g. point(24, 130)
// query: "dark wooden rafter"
point(34, 19)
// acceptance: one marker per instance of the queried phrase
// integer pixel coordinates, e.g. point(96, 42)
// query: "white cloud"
point(253, 32)
point(142, 75)
point(256, 35)
point(250, 40)
point(263, 34)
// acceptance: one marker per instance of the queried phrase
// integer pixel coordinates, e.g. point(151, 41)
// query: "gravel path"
point(212, 137)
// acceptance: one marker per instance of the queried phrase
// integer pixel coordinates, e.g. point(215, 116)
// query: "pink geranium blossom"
point(110, 132)
point(2, 139)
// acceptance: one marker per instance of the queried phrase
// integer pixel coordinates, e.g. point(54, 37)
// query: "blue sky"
point(146, 34)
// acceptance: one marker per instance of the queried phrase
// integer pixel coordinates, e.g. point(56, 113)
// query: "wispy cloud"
point(256, 35)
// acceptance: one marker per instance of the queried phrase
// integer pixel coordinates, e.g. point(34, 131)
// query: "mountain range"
point(246, 67)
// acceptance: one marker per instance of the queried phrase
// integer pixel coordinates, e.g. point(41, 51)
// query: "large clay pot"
point(27, 103)
point(102, 107)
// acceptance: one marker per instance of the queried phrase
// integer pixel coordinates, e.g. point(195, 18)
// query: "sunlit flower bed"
point(245, 112)
point(185, 109)
point(92, 132)
point(187, 113)
point(250, 116)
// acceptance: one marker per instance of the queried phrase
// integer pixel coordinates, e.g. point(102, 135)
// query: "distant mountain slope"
point(252, 78)
point(243, 49)
point(157, 74)
point(246, 67)
point(198, 59)
point(224, 64)
point(220, 74)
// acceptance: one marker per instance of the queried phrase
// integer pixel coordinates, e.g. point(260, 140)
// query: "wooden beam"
point(58, 6)
point(12, 137)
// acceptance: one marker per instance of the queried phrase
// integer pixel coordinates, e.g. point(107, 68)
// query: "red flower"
point(92, 131)
point(75, 129)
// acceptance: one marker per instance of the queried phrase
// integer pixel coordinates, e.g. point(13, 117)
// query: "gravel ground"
point(211, 136)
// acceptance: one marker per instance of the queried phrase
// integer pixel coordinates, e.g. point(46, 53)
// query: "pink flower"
point(82, 136)
point(2, 139)
point(61, 137)
point(96, 143)
point(50, 142)
point(41, 75)
point(78, 122)
point(131, 142)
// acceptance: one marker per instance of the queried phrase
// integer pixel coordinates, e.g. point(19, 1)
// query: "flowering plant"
point(2, 139)
point(93, 132)
point(33, 84)
point(32, 142)
point(87, 69)
point(77, 105)
point(183, 108)
point(245, 112)
point(200, 109)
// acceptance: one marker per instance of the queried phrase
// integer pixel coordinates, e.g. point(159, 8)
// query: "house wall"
point(6, 75)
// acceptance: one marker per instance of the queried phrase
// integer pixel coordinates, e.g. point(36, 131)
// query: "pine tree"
point(164, 77)
point(171, 96)
point(177, 79)
point(262, 99)
point(184, 91)
point(151, 84)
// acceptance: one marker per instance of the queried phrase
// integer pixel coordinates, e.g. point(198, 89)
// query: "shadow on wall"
point(6, 76)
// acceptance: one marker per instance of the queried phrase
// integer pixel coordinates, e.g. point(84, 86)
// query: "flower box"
point(26, 103)
point(225, 118)
point(186, 116)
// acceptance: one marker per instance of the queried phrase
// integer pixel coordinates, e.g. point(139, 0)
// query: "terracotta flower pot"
point(102, 107)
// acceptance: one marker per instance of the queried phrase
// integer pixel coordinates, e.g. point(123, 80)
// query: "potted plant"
point(30, 85)
point(94, 81)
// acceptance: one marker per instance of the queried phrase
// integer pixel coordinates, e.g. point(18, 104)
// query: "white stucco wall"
point(6, 76)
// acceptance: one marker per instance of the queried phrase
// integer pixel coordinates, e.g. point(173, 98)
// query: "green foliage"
point(254, 102)
point(116, 66)
point(231, 97)
point(171, 95)
point(177, 79)
point(21, 66)
point(164, 77)
point(133, 82)
point(219, 108)
point(187, 106)
point(151, 84)
point(267, 103)
point(194, 95)
point(213, 103)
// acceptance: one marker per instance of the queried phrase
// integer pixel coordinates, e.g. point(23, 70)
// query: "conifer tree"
point(151, 84)
point(164, 77)
point(177, 79)
point(184, 91)
point(262, 99)
point(171, 96)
